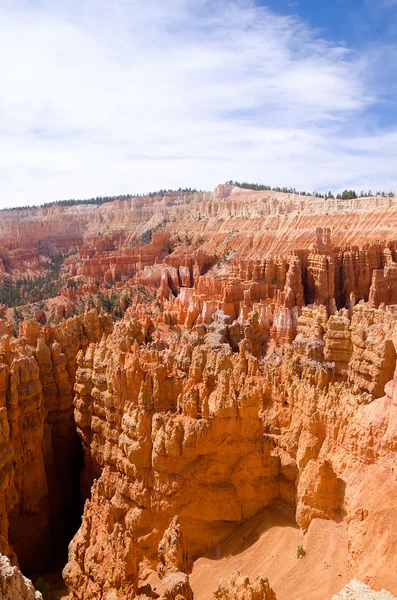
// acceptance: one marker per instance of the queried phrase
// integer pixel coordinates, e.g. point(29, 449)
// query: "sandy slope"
point(267, 544)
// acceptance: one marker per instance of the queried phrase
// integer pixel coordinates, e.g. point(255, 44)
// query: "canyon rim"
point(198, 398)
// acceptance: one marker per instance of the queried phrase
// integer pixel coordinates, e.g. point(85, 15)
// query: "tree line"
point(99, 200)
point(345, 195)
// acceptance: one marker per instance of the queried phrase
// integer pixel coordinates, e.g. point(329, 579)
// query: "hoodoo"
point(198, 398)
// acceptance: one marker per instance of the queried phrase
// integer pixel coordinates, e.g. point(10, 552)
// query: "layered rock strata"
point(208, 427)
point(214, 435)
point(261, 372)
point(38, 439)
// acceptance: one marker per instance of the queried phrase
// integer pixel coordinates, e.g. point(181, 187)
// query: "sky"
point(108, 97)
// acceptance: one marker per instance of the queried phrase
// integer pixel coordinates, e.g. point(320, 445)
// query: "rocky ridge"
point(38, 438)
point(215, 435)
point(256, 377)
point(251, 222)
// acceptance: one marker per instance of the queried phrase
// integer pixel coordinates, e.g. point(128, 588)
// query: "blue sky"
point(348, 21)
point(114, 96)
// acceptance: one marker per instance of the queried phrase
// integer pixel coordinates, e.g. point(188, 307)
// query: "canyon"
point(206, 405)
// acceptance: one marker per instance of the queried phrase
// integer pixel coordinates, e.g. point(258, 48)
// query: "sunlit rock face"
point(257, 372)
point(356, 590)
point(239, 587)
point(215, 435)
point(38, 435)
point(13, 585)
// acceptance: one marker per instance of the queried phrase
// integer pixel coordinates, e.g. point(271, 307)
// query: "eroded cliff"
point(252, 374)
point(215, 435)
point(39, 461)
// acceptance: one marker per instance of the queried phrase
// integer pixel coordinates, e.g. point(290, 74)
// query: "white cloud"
point(104, 97)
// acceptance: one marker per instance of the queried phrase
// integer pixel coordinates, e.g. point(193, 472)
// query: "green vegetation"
point(111, 305)
point(261, 186)
point(145, 296)
point(164, 192)
point(300, 551)
point(345, 195)
point(99, 200)
point(146, 236)
point(26, 290)
point(73, 202)
point(18, 317)
point(44, 587)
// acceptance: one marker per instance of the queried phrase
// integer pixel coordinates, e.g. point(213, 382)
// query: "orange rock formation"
point(38, 438)
point(258, 375)
point(215, 435)
point(238, 587)
point(13, 585)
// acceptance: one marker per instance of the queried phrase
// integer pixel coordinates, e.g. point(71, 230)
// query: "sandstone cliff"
point(254, 371)
point(38, 437)
point(215, 435)
point(199, 429)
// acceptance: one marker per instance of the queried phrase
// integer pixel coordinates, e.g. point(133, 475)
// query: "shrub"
point(300, 551)
point(43, 587)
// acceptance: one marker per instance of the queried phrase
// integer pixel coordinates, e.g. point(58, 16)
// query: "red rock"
point(239, 587)
point(253, 373)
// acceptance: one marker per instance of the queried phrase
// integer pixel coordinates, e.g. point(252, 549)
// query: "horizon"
point(99, 200)
point(103, 97)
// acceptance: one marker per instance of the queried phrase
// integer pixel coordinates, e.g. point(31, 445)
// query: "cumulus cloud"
point(104, 97)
